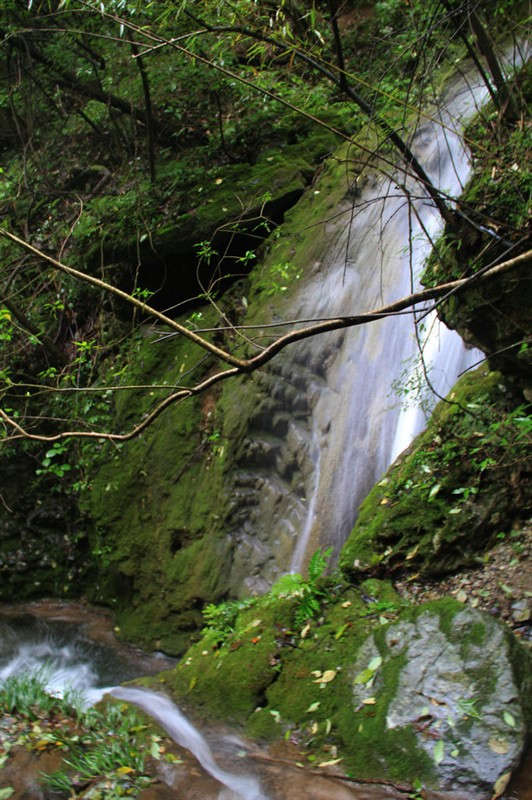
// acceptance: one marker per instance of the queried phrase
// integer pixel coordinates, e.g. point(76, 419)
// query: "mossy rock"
point(155, 503)
point(367, 680)
point(461, 482)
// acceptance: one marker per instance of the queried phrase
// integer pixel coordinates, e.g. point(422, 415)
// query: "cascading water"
point(361, 427)
point(353, 427)
point(65, 661)
point(169, 717)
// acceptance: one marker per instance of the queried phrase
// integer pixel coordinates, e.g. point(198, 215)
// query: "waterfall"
point(343, 424)
point(376, 259)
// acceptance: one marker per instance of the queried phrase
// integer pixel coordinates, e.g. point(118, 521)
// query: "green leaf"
point(364, 676)
point(375, 663)
point(6, 792)
point(434, 491)
point(438, 752)
point(509, 719)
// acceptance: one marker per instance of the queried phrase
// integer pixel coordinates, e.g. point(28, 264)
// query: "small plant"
point(142, 294)
point(205, 251)
point(278, 278)
point(310, 593)
point(50, 465)
point(221, 618)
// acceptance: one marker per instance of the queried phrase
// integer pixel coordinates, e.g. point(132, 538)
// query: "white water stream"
point(357, 426)
point(67, 663)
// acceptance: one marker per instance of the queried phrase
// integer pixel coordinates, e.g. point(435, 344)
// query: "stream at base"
point(74, 647)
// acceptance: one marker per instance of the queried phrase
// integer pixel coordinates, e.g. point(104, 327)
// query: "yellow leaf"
point(218, 181)
point(347, 604)
point(305, 630)
point(330, 763)
point(412, 552)
point(328, 676)
point(498, 746)
point(316, 673)
point(42, 744)
point(369, 701)
point(500, 785)
point(124, 770)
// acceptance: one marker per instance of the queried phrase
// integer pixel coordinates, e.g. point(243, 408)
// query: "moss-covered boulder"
point(437, 693)
point(460, 483)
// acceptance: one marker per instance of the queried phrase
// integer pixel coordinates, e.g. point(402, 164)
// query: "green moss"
point(267, 675)
point(440, 505)
point(493, 315)
point(156, 503)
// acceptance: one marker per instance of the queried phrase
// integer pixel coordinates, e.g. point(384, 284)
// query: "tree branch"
point(242, 366)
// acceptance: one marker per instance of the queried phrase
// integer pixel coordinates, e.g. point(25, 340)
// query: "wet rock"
point(461, 687)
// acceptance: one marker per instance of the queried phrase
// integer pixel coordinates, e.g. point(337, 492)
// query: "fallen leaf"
point(218, 181)
point(461, 596)
point(328, 676)
point(316, 673)
point(500, 785)
point(369, 701)
point(313, 707)
point(305, 630)
point(330, 763)
point(509, 719)
point(375, 663)
point(328, 726)
point(365, 676)
point(314, 728)
point(124, 770)
point(434, 491)
point(499, 746)
point(255, 639)
point(347, 604)
point(341, 630)
point(412, 552)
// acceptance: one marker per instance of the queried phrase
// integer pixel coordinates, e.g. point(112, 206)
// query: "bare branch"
point(246, 366)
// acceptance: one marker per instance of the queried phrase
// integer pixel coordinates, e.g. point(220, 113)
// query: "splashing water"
point(67, 663)
point(168, 715)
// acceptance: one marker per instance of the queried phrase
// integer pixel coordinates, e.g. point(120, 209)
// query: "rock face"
point(458, 688)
